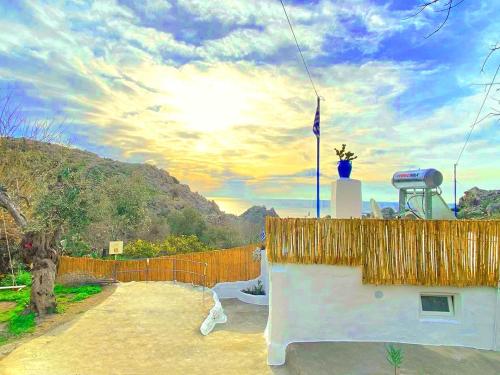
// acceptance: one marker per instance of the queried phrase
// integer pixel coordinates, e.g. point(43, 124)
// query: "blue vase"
point(344, 168)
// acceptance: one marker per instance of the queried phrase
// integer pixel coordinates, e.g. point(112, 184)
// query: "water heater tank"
point(417, 179)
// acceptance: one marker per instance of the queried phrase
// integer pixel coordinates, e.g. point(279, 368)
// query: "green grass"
point(66, 295)
point(19, 321)
point(22, 278)
point(20, 324)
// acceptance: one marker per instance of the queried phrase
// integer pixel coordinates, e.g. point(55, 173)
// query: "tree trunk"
point(43, 299)
point(39, 252)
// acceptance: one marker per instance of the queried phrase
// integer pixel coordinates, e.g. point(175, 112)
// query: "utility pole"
point(455, 187)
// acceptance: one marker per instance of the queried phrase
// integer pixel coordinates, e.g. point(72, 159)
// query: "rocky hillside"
point(119, 200)
point(478, 203)
point(257, 214)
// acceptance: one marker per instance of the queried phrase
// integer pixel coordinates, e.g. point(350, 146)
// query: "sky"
point(214, 91)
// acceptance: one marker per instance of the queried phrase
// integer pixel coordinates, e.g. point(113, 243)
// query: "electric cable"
point(298, 47)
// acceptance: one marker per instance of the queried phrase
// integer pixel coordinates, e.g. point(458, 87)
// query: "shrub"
point(74, 245)
point(187, 222)
point(182, 245)
point(22, 278)
point(221, 237)
point(141, 249)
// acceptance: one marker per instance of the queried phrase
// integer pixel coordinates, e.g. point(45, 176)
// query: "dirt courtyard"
point(153, 328)
point(148, 328)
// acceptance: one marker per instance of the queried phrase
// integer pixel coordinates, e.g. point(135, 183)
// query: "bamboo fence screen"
point(221, 265)
point(410, 252)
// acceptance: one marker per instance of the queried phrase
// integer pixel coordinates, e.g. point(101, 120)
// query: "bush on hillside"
point(74, 245)
point(187, 222)
point(141, 249)
point(182, 245)
point(170, 246)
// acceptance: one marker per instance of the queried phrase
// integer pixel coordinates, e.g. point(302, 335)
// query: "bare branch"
point(492, 50)
point(422, 8)
point(13, 123)
point(446, 9)
point(485, 84)
point(7, 203)
point(447, 6)
point(450, 3)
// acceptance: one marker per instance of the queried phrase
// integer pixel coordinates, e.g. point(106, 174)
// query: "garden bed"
point(253, 299)
point(254, 294)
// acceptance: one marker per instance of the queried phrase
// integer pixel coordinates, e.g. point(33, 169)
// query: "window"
point(437, 305)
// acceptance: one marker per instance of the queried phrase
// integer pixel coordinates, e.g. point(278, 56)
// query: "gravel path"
point(148, 328)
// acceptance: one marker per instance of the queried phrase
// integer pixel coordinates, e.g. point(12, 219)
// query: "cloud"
point(214, 92)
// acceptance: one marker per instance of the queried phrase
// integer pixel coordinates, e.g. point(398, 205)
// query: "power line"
point(478, 114)
point(298, 47)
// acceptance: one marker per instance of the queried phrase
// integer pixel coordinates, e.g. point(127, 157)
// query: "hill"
point(109, 199)
point(257, 214)
point(479, 203)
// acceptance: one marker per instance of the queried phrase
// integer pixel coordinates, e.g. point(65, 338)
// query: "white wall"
point(264, 271)
point(346, 199)
point(233, 289)
point(330, 303)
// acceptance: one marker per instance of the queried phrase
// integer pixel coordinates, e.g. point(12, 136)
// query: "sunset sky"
point(214, 92)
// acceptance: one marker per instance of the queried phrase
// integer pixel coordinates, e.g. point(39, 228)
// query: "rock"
point(493, 209)
point(479, 203)
point(257, 214)
point(388, 213)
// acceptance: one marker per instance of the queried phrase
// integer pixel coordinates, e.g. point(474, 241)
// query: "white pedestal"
point(346, 198)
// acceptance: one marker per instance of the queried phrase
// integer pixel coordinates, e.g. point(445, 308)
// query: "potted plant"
point(345, 161)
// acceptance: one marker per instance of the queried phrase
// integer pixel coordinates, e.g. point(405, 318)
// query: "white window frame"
point(438, 314)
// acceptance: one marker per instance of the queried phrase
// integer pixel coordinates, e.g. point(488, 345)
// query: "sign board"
point(115, 247)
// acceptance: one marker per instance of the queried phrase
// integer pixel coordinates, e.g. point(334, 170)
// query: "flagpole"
point(317, 177)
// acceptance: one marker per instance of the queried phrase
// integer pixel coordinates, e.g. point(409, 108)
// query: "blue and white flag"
point(316, 122)
point(263, 235)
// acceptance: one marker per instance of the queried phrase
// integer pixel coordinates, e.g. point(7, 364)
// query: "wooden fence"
point(221, 265)
point(411, 252)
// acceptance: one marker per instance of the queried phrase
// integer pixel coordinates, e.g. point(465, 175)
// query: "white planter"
point(254, 300)
point(234, 289)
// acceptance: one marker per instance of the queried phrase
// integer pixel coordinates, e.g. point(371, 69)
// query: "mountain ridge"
point(38, 165)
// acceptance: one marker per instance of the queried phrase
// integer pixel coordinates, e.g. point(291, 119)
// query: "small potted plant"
point(345, 162)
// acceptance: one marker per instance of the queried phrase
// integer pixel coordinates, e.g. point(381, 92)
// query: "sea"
point(286, 207)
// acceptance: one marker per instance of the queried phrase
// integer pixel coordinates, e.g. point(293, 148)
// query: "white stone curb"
point(215, 316)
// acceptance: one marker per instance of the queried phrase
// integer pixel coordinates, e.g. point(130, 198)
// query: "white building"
point(319, 302)
point(310, 303)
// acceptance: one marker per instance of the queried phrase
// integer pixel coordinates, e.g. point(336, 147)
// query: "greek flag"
point(263, 235)
point(316, 122)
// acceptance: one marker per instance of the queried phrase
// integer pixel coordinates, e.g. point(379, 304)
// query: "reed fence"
point(410, 252)
point(221, 265)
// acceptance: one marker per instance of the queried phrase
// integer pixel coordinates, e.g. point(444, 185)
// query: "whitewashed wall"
point(330, 303)
point(233, 289)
